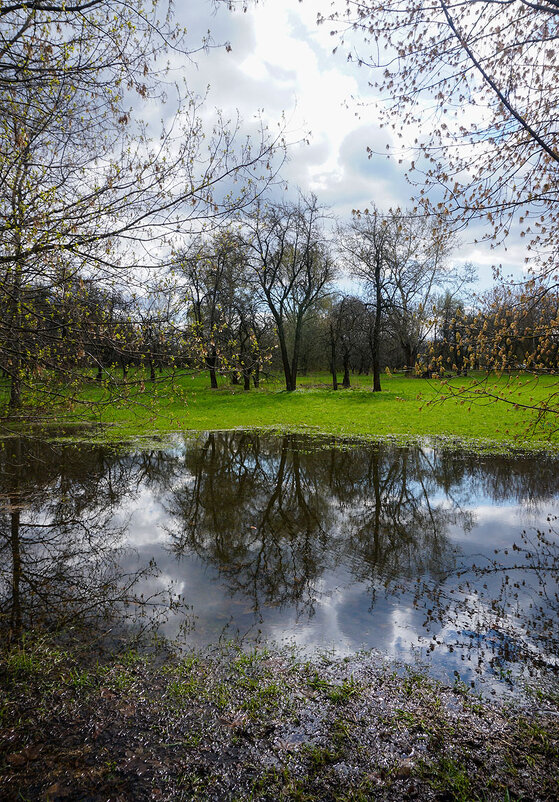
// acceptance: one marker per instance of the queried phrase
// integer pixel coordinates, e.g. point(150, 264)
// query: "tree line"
point(168, 250)
point(261, 293)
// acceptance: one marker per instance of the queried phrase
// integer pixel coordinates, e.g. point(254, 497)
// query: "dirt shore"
point(262, 726)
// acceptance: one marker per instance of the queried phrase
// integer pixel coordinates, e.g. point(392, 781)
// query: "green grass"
point(406, 408)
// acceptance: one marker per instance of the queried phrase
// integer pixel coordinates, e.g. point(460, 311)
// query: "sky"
point(280, 64)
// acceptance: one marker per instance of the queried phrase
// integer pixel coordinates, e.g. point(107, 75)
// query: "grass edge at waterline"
point(407, 409)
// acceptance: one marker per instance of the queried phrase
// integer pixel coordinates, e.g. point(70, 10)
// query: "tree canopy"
point(473, 88)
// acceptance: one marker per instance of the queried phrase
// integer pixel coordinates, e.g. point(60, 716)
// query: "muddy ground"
point(262, 726)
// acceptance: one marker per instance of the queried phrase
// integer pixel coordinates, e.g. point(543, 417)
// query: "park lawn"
point(407, 407)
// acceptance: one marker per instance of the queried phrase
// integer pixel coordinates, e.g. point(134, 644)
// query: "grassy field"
point(406, 407)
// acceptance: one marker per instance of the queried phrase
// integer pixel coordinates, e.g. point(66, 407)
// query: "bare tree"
point(208, 272)
point(346, 324)
point(402, 261)
point(291, 268)
point(420, 271)
point(369, 246)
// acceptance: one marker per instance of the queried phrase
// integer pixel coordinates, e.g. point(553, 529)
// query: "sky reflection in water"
point(412, 551)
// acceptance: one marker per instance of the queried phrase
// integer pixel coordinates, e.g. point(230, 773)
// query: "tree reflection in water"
point(271, 530)
point(273, 516)
point(60, 548)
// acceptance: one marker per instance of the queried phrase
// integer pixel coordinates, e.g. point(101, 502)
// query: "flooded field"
point(437, 556)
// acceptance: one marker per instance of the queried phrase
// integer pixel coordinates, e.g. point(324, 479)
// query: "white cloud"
point(281, 62)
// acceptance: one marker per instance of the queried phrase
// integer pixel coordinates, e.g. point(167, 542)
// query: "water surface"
point(443, 556)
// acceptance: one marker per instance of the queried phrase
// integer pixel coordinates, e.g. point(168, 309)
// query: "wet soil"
point(262, 726)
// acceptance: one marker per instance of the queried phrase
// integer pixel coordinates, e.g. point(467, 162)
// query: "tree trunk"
point(346, 383)
point(407, 355)
point(211, 362)
point(333, 370)
point(256, 376)
point(295, 356)
point(15, 387)
point(285, 358)
point(410, 354)
point(246, 379)
point(334, 373)
point(378, 505)
point(376, 331)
